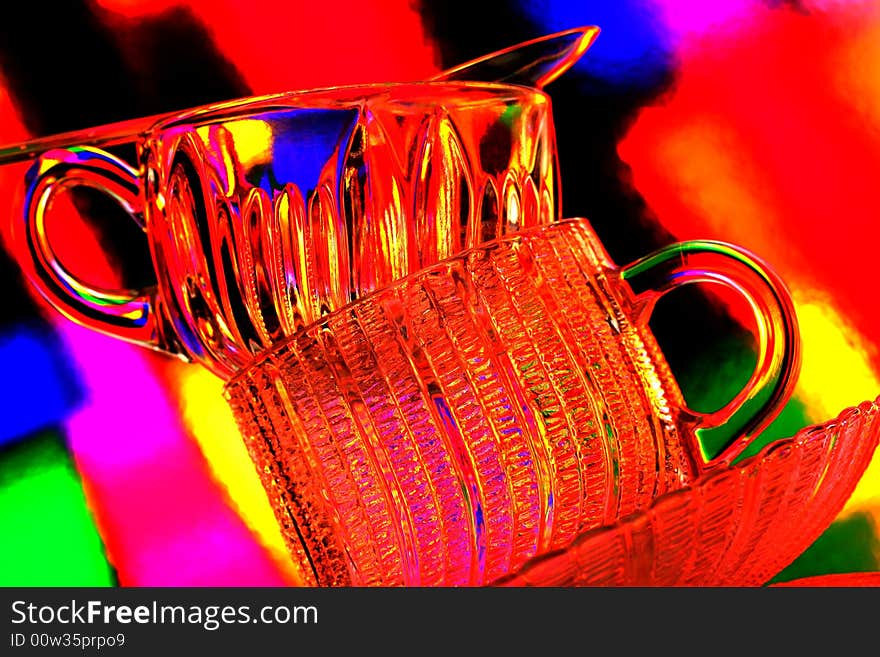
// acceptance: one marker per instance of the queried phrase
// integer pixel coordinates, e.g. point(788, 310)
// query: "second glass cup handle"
point(773, 379)
point(126, 314)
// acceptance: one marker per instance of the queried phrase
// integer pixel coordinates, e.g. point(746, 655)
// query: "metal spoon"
point(533, 63)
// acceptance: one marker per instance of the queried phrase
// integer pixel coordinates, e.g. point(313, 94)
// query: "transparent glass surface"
point(489, 408)
point(736, 527)
point(265, 213)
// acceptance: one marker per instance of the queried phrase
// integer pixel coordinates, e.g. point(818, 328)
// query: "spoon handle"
point(534, 63)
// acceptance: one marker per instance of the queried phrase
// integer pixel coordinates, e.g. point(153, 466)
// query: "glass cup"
point(263, 214)
point(489, 408)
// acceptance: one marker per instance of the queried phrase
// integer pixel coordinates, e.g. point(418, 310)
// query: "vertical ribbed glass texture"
point(736, 527)
point(453, 425)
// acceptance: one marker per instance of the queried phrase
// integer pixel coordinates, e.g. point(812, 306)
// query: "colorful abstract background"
point(751, 121)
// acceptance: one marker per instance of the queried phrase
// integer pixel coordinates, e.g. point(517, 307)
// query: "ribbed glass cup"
point(263, 214)
point(453, 425)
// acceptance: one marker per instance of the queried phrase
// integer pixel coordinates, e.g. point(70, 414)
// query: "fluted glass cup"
point(447, 428)
point(263, 214)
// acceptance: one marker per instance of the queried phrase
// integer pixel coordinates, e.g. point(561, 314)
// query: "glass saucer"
point(735, 527)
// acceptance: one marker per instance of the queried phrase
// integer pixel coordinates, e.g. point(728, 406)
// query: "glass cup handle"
point(779, 353)
point(126, 314)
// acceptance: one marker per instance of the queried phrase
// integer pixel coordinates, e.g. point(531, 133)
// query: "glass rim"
point(347, 96)
point(437, 267)
point(420, 95)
